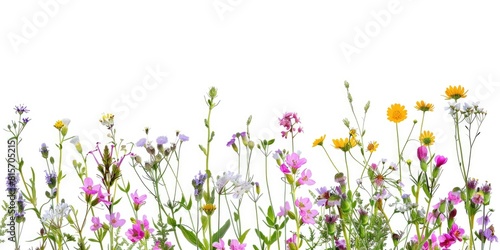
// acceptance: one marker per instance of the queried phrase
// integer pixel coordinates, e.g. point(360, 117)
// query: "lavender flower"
point(21, 109)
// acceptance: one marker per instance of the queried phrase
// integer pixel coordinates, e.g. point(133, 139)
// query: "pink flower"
point(96, 224)
point(292, 242)
point(284, 210)
point(456, 232)
point(285, 169)
point(303, 204)
point(88, 186)
point(103, 196)
point(446, 240)
point(114, 219)
point(294, 161)
point(478, 198)
point(305, 178)
point(138, 200)
point(157, 245)
point(219, 245)
point(135, 233)
point(308, 216)
point(454, 197)
point(440, 160)
point(422, 153)
point(235, 245)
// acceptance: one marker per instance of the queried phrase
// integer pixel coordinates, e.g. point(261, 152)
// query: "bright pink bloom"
point(135, 233)
point(284, 210)
point(138, 200)
point(88, 186)
point(158, 247)
point(114, 219)
point(454, 197)
point(477, 198)
point(422, 153)
point(103, 196)
point(219, 245)
point(96, 224)
point(285, 169)
point(456, 232)
point(440, 160)
point(308, 216)
point(303, 204)
point(446, 240)
point(294, 161)
point(292, 241)
point(235, 245)
point(305, 178)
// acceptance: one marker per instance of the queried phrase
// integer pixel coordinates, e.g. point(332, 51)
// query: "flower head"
point(89, 188)
point(455, 92)
point(236, 245)
point(305, 178)
point(396, 113)
point(138, 200)
point(344, 144)
point(114, 219)
point(107, 120)
point(284, 210)
point(319, 141)
point(161, 140)
point(372, 146)
point(440, 160)
point(21, 109)
point(96, 224)
point(422, 106)
point(427, 138)
point(220, 245)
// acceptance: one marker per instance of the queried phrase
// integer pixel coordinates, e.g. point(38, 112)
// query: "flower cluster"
point(131, 194)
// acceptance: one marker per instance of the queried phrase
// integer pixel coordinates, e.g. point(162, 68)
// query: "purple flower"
point(183, 138)
point(141, 142)
point(96, 224)
point(483, 220)
point(340, 244)
point(139, 200)
point(440, 160)
point(161, 140)
point(50, 179)
point(25, 120)
point(488, 234)
point(11, 182)
point(294, 161)
point(21, 109)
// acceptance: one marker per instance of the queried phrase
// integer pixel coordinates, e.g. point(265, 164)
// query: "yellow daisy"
point(319, 141)
point(372, 147)
point(427, 138)
point(455, 92)
point(422, 106)
point(396, 113)
point(344, 144)
point(352, 132)
point(59, 124)
point(208, 208)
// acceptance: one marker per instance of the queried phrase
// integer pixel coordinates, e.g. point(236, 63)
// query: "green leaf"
point(204, 223)
point(171, 221)
point(191, 237)
point(203, 149)
point(262, 236)
point(243, 236)
point(221, 232)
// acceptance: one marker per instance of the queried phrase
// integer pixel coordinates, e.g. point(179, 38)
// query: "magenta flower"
point(88, 186)
point(114, 219)
point(422, 153)
point(456, 232)
point(157, 245)
point(425, 246)
point(440, 160)
point(219, 245)
point(138, 200)
point(303, 204)
point(135, 233)
point(284, 210)
point(305, 178)
point(446, 240)
point(235, 245)
point(294, 161)
point(285, 169)
point(102, 197)
point(292, 242)
point(454, 197)
point(96, 224)
point(340, 244)
point(288, 121)
point(478, 198)
point(308, 216)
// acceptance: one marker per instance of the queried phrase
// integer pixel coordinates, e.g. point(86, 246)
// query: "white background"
point(79, 59)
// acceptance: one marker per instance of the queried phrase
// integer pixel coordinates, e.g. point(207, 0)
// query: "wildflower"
point(319, 141)
point(478, 198)
point(114, 219)
point(422, 106)
point(446, 240)
point(141, 142)
point(294, 161)
point(284, 210)
point(50, 179)
point(197, 183)
point(488, 234)
point(396, 113)
point(76, 141)
point(241, 188)
point(157, 245)
point(208, 208)
point(219, 245)
point(21, 109)
point(483, 220)
point(372, 147)
point(288, 121)
point(89, 188)
point(107, 120)
point(96, 224)
point(235, 245)
point(25, 120)
point(344, 144)
point(456, 232)
point(140, 229)
point(454, 197)
point(58, 125)
point(138, 200)
point(54, 215)
point(455, 92)
point(422, 153)
point(161, 140)
point(102, 197)
point(440, 160)
point(44, 150)
point(427, 138)
point(292, 242)
point(340, 244)
point(183, 138)
point(305, 178)
point(12, 181)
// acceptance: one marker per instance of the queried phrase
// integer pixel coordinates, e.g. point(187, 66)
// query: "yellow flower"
point(352, 132)
point(396, 113)
point(455, 92)
point(427, 138)
point(208, 208)
point(59, 124)
point(344, 144)
point(319, 141)
point(372, 147)
point(422, 106)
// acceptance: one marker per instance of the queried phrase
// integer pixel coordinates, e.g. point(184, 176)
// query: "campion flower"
point(220, 245)
point(440, 160)
point(294, 161)
point(284, 209)
point(455, 92)
point(372, 146)
point(396, 113)
point(427, 138)
point(138, 200)
point(103, 197)
point(114, 219)
point(488, 234)
point(305, 178)
point(236, 245)
point(456, 232)
point(291, 242)
point(319, 141)
point(423, 106)
point(454, 197)
point(96, 224)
